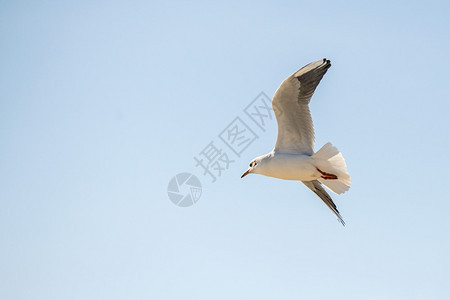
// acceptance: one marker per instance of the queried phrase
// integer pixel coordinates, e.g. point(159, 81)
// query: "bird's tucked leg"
point(326, 175)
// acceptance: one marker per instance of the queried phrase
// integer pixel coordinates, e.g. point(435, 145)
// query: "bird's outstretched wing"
point(290, 104)
point(317, 188)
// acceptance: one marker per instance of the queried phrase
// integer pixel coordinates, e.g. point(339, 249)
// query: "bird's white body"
point(293, 157)
point(289, 166)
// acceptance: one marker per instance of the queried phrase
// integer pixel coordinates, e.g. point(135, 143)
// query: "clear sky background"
point(103, 102)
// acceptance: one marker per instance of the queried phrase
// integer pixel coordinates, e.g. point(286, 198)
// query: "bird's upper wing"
point(317, 188)
point(290, 104)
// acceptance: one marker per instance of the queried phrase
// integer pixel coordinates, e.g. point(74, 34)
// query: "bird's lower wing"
point(317, 188)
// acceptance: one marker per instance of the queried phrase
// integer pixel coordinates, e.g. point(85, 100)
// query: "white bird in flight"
point(293, 157)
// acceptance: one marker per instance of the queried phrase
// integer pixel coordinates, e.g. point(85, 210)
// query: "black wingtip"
point(338, 216)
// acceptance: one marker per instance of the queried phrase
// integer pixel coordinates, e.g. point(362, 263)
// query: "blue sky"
point(103, 102)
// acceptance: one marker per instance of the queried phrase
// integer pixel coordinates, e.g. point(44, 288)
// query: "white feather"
point(328, 159)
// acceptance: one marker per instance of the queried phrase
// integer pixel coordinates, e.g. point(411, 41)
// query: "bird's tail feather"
point(328, 159)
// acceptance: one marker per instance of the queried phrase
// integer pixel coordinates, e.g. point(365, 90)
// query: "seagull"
point(293, 157)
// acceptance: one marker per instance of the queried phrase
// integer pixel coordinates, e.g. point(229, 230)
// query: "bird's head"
point(256, 166)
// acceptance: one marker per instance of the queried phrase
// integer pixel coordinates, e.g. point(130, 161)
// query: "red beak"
point(243, 175)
